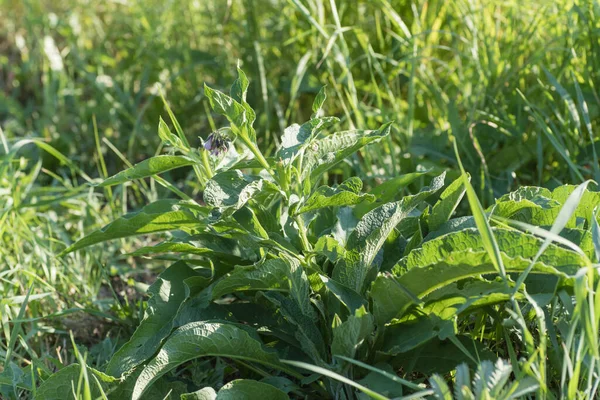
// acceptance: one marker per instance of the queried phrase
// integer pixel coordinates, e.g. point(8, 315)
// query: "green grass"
point(513, 84)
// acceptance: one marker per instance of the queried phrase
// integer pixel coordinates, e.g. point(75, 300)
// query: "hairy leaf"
point(346, 194)
point(166, 295)
point(370, 234)
point(151, 166)
point(162, 215)
point(201, 339)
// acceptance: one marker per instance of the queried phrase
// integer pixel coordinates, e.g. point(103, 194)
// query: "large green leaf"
point(323, 154)
point(167, 293)
point(162, 215)
point(522, 199)
point(346, 194)
point(392, 296)
point(152, 166)
point(209, 245)
point(370, 233)
point(247, 389)
point(201, 339)
point(511, 242)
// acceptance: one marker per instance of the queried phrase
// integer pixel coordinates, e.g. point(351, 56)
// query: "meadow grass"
point(515, 83)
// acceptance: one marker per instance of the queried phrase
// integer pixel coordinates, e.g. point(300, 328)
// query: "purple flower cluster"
point(216, 143)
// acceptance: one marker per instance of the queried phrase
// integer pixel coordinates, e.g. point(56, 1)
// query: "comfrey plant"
point(302, 286)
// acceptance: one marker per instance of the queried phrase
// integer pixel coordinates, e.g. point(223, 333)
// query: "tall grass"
point(514, 82)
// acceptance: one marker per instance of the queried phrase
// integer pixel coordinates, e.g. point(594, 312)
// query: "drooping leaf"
point(441, 356)
point(306, 331)
point(149, 167)
point(403, 337)
point(167, 293)
point(330, 248)
point(162, 215)
point(420, 276)
point(209, 245)
point(201, 339)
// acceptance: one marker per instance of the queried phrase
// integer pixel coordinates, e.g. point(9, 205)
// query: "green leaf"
point(231, 189)
point(246, 389)
point(323, 154)
point(330, 248)
point(206, 393)
point(307, 333)
point(14, 377)
point(240, 87)
point(202, 339)
point(226, 106)
point(348, 336)
point(268, 275)
point(166, 295)
point(481, 220)
point(206, 244)
point(370, 234)
point(463, 265)
point(296, 137)
point(346, 194)
point(444, 208)
point(150, 167)
point(324, 371)
point(461, 255)
point(348, 297)
point(441, 356)
point(522, 199)
point(60, 384)
point(162, 215)
point(387, 191)
point(319, 100)
point(511, 242)
point(382, 378)
point(167, 137)
point(403, 337)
